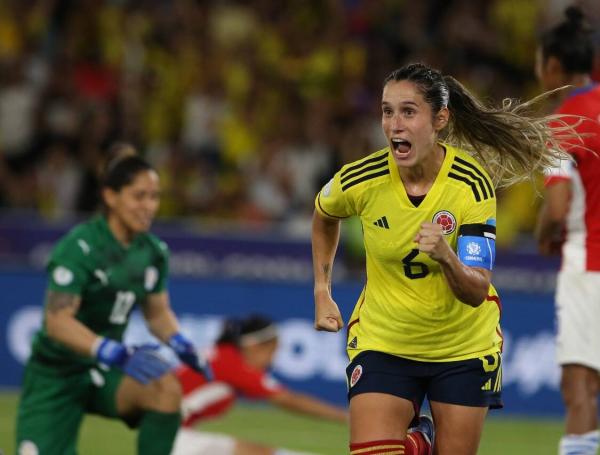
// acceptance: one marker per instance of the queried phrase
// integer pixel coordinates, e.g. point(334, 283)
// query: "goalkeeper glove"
point(142, 363)
point(187, 353)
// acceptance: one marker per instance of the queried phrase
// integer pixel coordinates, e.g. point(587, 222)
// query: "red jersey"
point(232, 377)
point(581, 250)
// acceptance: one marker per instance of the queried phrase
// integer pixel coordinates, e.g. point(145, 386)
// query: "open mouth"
point(401, 146)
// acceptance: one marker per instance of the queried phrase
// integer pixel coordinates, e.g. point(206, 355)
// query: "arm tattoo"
point(56, 301)
point(327, 273)
point(327, 270)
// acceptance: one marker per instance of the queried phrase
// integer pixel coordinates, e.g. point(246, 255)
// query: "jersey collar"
point(437, 183)
point(105, 229)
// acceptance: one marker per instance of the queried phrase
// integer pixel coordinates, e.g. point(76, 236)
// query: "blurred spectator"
point(58, 182)
point(243, 106)
point(204, 107)
point(18, 100)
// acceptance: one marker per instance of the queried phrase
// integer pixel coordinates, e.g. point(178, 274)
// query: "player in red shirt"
point(569, 222)
point(239, 361)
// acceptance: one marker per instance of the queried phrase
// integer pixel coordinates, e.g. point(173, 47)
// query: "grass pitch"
point(98, 436)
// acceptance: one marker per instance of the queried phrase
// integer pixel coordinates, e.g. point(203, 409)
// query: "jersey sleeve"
point(333, 202)
point(560, 172)
point(250, 382)
point(480, 212)
point(476, 245)
point(159, 283)
point(66, 268)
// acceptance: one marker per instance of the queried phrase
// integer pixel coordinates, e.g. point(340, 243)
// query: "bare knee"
point(579, 389)
point(163, 394)
point(458, 428)
point(379, 416)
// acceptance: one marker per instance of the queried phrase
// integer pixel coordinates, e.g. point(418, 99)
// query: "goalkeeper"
point(97, 274)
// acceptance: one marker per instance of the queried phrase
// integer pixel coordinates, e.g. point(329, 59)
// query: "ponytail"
point(509, 140)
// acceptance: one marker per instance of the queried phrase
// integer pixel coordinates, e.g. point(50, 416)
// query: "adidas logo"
point(353, 344)
point(487, 385)
point(382, 222)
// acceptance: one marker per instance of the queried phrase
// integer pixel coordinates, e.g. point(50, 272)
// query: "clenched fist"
point(430, 240)
point(327, 314)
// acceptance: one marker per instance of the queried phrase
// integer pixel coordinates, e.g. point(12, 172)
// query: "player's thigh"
point(103, 399)
point(385, 393)
point(50, 411)
point(457, 428)
point(161, 395)
point(378, 416)
point(577, 313)
point(116, 395)
point(192, 442)
point(460, 394)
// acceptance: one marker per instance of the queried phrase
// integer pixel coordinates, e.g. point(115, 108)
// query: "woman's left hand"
point(430, 240)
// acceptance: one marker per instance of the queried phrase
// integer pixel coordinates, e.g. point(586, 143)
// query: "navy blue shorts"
point(473, 382)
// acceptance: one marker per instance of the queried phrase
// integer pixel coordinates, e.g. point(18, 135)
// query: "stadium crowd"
point(244, 107)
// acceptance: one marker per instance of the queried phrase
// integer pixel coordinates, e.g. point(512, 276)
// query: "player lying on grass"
point(239, 361)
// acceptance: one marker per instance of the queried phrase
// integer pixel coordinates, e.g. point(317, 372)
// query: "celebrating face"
point(408, 123)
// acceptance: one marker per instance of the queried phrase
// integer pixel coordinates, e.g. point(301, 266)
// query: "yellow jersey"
point(406, 307)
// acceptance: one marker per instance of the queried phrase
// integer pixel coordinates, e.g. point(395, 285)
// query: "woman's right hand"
point(327, 314)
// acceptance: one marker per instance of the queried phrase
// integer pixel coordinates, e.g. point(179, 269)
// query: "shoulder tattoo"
point(56, 301)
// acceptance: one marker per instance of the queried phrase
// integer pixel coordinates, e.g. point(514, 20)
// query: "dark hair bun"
point(570, 41)
point(575, 16)
point(231, 332)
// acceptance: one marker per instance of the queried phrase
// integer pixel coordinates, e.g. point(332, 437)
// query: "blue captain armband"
point(477, 245)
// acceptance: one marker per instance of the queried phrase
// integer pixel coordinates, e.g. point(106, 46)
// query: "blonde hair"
point(510, 141)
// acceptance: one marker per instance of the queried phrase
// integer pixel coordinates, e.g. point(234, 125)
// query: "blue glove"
point(111, 352)
point(141, 363)
point(145, 364)
point(187, 353)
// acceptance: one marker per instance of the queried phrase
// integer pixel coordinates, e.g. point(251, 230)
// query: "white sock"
point(580, 444)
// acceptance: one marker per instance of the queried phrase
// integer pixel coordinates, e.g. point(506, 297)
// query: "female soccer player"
point(239, 361)
point(97, 274)
point(572, 204)
point(427, 321)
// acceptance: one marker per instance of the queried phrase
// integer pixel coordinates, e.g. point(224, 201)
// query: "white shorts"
point(192, 442)
point(578, 317)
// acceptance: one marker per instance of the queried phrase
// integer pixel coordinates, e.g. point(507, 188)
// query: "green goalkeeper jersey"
point(109, 278)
